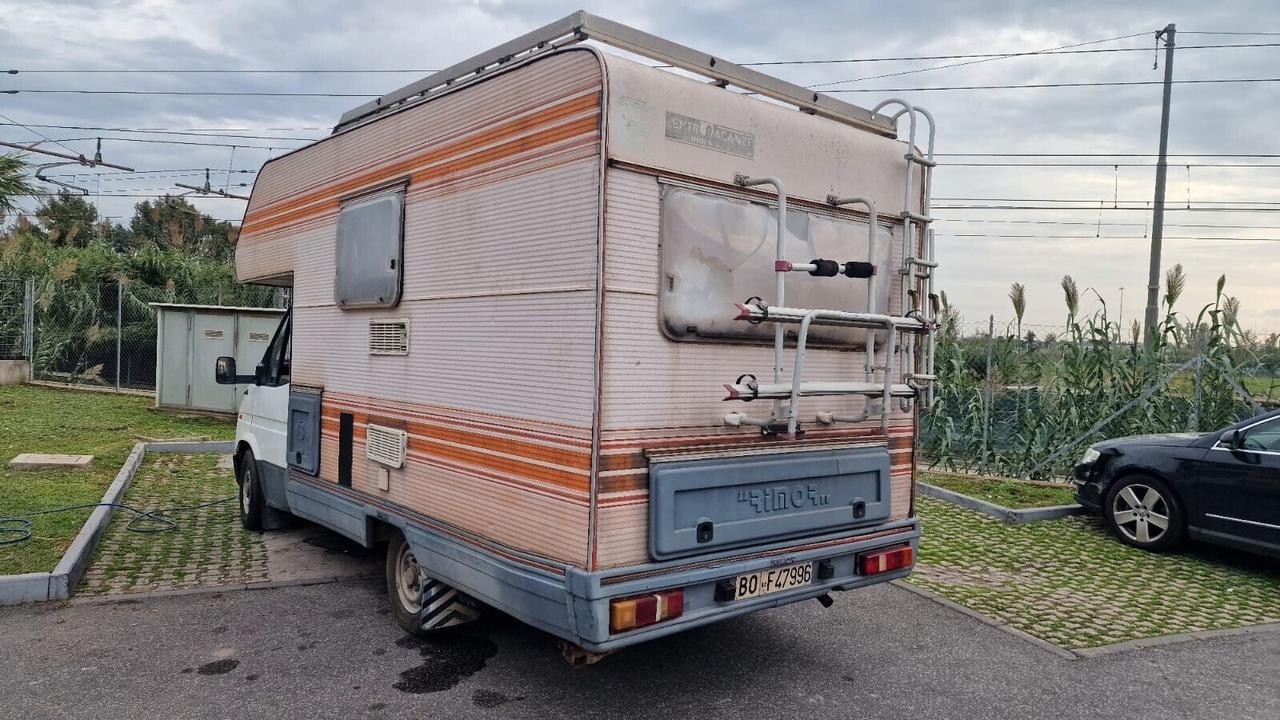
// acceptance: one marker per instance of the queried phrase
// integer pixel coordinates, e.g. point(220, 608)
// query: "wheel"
point(411, 589)
point(252, 502)
point(404, 585)
point(1144, 512)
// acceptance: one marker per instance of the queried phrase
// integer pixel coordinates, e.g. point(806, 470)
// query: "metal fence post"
point(990, 390)
point(119, 326)
point(1195, 398)
point(29, 327)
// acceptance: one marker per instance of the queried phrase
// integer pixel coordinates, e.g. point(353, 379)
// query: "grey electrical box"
point(189, 338)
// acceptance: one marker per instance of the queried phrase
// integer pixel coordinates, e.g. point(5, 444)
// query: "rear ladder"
point(903, 332)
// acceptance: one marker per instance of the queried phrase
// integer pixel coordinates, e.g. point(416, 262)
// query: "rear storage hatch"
point(699, 506)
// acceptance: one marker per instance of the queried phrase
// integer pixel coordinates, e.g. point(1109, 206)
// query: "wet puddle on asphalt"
point(447, 659)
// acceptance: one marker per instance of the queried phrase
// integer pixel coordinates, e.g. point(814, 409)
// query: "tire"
point(410, 588)
point(251, 500)
point(1144, 512)
point(404, 586)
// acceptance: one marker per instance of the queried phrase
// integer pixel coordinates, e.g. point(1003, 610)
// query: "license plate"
point(772, 581)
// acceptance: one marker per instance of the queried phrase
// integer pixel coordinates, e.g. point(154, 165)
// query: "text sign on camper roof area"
point(709, 135)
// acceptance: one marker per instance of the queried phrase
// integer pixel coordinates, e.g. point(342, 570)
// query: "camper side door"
point(271, 396)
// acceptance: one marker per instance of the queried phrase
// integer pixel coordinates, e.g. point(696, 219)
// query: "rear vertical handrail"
point(779, 334)
point(872, 232)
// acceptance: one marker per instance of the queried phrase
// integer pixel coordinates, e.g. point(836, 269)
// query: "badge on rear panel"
point(711, 136)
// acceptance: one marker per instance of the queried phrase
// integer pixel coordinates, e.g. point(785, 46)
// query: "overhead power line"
point(184, 142)
point(210, 93)
point(1146, 207)
point(1107, 155)
point(267, 93)
point(159, 131)
point(1103, 165)
point(1024, 86)
point(1106, 237)
point(975, 62)
point(1096, 201)
point(762, 63)
point(1092, 223)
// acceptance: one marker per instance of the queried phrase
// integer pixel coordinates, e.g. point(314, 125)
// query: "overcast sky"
point(978, 265)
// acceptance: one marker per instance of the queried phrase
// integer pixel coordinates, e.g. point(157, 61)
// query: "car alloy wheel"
point(1141, 513)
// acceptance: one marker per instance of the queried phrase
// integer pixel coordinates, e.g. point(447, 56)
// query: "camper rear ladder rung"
point(782, 391)
point(758, 312)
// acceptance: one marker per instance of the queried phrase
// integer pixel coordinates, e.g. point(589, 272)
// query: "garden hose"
point(144, 521)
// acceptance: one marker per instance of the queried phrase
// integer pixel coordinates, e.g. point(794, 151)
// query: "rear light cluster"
point(882, 561)
point(637, 612)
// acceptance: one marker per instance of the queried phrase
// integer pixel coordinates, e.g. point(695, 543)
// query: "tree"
point(173, 223)
point(13, 183)
point(68, 219)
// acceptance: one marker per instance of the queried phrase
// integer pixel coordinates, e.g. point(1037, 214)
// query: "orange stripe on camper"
point(553, 125)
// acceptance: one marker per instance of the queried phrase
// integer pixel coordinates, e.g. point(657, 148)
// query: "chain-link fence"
point(15, 296)
point(98, 334)
point(1026, 401)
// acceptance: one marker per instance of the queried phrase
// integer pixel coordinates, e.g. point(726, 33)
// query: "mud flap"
point(444, 606)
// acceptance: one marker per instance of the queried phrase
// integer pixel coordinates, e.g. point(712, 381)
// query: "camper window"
point(719, 250)
point(369, 251)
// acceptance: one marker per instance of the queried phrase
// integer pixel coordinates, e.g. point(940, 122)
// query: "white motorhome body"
point(522, 292)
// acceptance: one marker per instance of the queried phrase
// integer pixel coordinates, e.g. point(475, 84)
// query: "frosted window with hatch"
point(718, 251)
point(370, 251)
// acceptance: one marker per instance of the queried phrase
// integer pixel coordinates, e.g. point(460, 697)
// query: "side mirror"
point(224, 372)
point(1233, 439)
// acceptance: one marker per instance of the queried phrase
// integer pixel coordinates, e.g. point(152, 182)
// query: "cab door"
point(269, 414)
point(1239, 488)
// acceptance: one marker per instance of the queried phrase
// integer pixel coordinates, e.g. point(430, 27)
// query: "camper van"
point(617, 343)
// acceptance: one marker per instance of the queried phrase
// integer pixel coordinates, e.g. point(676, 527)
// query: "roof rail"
point(582, 26)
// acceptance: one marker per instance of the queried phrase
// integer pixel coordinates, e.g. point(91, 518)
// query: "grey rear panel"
point(698, 506)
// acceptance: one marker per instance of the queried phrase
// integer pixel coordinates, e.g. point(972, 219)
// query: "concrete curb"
point(216, 589)
point(189, 447)
point(1089, 652)
point(61, 583)
point(1008, 515)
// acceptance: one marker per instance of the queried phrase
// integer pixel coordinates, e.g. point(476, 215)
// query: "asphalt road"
point(331, 651)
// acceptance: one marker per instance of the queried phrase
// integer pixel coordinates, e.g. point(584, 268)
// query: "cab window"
point(273, 370)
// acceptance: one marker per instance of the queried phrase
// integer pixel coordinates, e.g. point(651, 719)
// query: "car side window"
point(1265, 437)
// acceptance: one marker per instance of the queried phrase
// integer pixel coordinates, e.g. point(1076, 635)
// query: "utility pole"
point(1162, 171)
point(1120, 322)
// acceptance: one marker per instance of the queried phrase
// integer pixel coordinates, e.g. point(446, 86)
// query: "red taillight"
point(637, 612)
point(882, 561)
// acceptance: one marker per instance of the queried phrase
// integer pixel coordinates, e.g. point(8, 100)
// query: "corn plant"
point(1039, 398)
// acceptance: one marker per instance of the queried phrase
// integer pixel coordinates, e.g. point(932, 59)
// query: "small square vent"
point(386, 445)
point(388, 337)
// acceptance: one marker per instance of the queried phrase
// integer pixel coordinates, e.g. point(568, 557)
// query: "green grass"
point(1072, 583)
point(1006, 493)
point(48, 420)
point(1263, 387)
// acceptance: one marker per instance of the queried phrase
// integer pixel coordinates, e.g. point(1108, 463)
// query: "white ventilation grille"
point(212, 334)
point(386, 445)
point(259, 337)
point(388, 337)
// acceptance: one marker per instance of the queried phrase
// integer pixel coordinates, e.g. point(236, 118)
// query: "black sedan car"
point(1221, 487)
